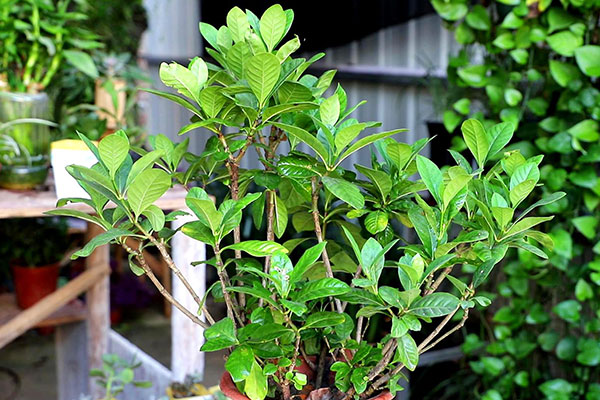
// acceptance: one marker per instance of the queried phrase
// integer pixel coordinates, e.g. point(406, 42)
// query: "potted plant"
point(34, 248)
point(37, 37)
point(297, 310)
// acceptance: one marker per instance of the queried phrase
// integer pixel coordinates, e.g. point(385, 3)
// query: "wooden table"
point(81, 346)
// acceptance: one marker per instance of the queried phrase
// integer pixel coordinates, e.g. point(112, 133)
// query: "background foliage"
point(536, 64)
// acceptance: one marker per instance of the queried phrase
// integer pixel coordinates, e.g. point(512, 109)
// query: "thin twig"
point(319, 234)
point(450, 332)
point(162, 289)
point(439, 280)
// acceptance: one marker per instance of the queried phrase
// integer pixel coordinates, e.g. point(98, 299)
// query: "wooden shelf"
point(73, 311)
point(20, 204)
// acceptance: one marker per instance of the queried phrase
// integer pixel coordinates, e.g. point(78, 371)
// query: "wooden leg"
point(98, 303)
point(187, 337)
point(71, 360)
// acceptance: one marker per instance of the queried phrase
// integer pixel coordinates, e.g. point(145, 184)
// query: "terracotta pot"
point(231, 391)
point(34, 283)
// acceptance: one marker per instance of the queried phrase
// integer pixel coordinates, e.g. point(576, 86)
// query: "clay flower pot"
point(231, 391)
point(34, 283)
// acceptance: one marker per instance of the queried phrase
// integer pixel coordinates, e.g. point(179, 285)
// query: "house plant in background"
point(38, 37)
point(536, 65)
point(297, 311)
point(34, 248)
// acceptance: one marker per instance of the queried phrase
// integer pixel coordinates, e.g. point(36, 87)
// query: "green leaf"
point(525, 224)
point(239, 363)
point(238, 25)
point(568, 310)
point(281, 217)
point(346, 135)
point(262, 72)
point(156, 217)
point(66, 212)
point(184, 80)
point(451, 120)
point(100, 240)
point(309, 257)
point(424, 231)
point(586, 130)
point(113, 151)
point(563, 73)
point(450, 11)
point(586, 225)
point(564, 43)
point(146, 188)
point(583, 290)
point(82, 61)
point(359, 144)
point(320, 288)
point(330, 110)
point(176, 99)
point(272, 27)
point(432, 177)
point(257, 248)
point(376, 221)
point(323, 319)
point(512, 97)
point(521, 191)
point(290, 92)
point(478, 18)
point(588, 60)
point(256, 385)
point(476, 140)
point(434, 305)
point(204, 207)
point(345, 191)
point(381, 179)
point(142, 164)
point(212, 101)
point(407, 352)
point(305, 137)
point(473, 75)
point(482, 272)
point(219, 336)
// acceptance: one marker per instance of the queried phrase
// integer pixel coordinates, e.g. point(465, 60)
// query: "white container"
point(62, 154)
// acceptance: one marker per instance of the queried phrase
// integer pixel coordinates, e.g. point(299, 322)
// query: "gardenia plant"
point(307, 301)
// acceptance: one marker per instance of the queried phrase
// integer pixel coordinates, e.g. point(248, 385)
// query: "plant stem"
point(232, 312)
point(321, 366)
point(319, 233)
point(139, 257)
point(439, 280)
point(450, 332)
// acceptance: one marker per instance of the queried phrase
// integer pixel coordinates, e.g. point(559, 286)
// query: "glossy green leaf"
point(146, 188)
point(345, 191)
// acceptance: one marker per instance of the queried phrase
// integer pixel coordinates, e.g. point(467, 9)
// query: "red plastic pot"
point(34, 283)
point(229, 389)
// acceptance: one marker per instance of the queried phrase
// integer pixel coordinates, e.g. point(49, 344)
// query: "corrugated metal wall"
point(401, 56)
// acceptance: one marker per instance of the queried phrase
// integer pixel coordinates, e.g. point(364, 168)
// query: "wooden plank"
point(73, 311)
point(98, 301)
point(71, 361)
point(23, 204)
point(149, 370)
point(38, 312)
point(187, 337)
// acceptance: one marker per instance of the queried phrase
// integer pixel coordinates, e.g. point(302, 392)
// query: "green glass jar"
point(28, 167)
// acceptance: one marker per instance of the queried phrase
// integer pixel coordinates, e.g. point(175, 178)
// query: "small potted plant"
point(116, 374)
point(37, 38)
point(298, 309)
point(34, 248)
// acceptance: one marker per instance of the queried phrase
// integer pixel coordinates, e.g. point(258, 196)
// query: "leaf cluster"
point(314, 294)
point(539, 72)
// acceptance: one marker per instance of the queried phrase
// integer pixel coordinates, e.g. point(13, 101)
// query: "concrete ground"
point(27, 365)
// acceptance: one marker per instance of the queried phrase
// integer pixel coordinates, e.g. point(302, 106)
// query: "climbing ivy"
point(536, 65)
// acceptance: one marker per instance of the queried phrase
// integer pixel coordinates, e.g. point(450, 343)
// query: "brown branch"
point(232, 311)
point(439, 280)
point(318, 232)
point(162, 290)
point(450, 332)
point(321, 366)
